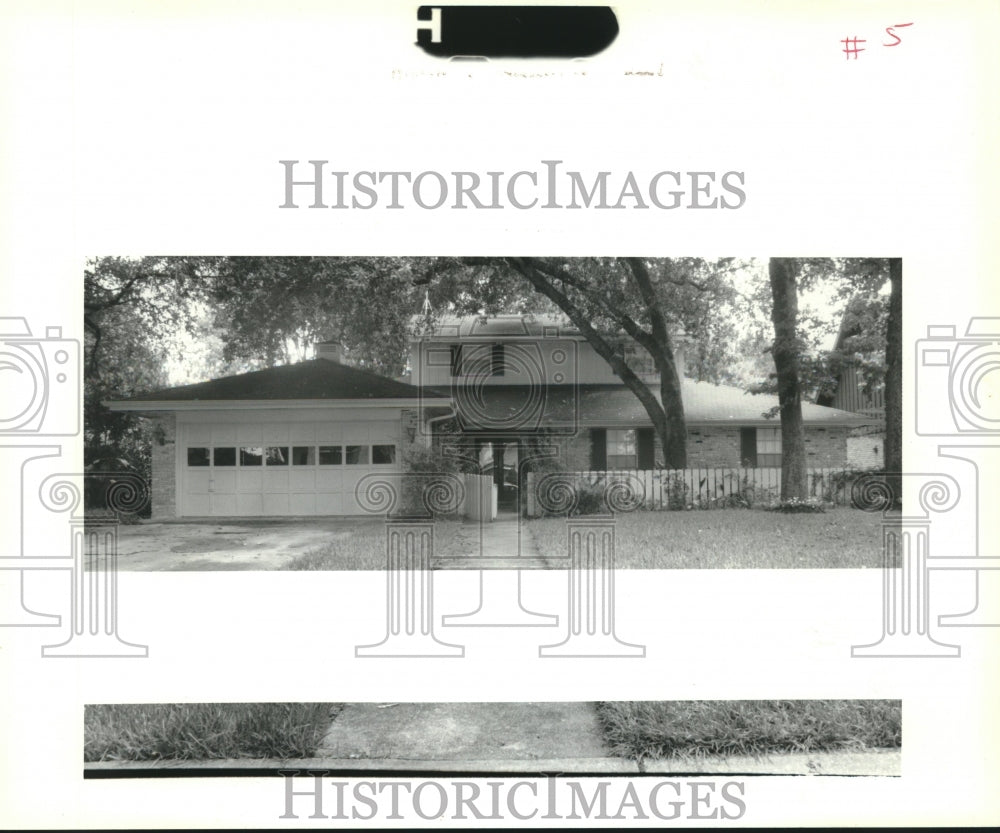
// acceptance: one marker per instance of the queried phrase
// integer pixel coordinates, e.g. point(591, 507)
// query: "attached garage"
point(237, 466)
point(236, 452)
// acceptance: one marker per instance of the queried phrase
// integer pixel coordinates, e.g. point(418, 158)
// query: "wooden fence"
point(702, 488)
point(480, 497)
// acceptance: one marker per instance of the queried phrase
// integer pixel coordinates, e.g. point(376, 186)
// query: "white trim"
point(275, 404)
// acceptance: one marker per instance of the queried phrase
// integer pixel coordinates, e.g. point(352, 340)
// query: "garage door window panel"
point(224, 456)
point(383, 455)
point(331, 455)
point(356, 455)
point(251, 455)
point(304, 455)
point(276, 455)
point(198, 456)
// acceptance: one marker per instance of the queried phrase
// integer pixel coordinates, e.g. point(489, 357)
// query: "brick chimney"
point(332, 351)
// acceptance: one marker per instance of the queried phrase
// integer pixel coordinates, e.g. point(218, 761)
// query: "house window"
point(383, 454)
point(621, 449)
point(496, 360)
point(769, 447)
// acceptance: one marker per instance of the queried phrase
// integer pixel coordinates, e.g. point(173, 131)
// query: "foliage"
point(796, 505)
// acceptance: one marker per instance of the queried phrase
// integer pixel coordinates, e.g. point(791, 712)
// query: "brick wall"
point(164, 491)
point(826, 447)
point(865, 451)
point(708, 446)
point(711, 447)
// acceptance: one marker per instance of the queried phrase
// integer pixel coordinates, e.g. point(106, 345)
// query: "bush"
point(590, 500)
point(423, 461)
point(798, 505)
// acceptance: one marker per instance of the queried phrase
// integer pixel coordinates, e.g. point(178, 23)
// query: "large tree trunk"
point(894, 378)
point(673, 432)
point(667, 416)
point(784, 314)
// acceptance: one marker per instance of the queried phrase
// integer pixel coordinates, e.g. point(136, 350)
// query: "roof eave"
point(264, 404)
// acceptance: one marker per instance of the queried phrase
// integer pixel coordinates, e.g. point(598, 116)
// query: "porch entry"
point(499, 457)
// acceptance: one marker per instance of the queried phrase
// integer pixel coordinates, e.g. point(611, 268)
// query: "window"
point(383, 454)
point(769, 447)
point(331, 455)
point(224, 456)
point(251, 455)
point(621, 449)
point(357, 455)
point(496, 360)
point(276, 455)
point(303, 455)
point(198, 456)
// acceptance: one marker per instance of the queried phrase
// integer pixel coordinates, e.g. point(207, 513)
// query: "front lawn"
point(696, 728)
point(202, 731)
point(740, 538)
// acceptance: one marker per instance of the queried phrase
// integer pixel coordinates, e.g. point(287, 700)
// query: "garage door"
point(259, 469)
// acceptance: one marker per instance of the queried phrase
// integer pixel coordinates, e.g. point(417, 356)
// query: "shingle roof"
point(313, 379)
point(613, 405)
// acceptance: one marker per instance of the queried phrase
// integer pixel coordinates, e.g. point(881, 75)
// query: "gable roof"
point(314, 379)
point(616, 405)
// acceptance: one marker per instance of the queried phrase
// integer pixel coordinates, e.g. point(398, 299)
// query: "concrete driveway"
point(228, 544)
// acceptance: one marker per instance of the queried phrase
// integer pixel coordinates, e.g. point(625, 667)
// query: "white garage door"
point(259, 469)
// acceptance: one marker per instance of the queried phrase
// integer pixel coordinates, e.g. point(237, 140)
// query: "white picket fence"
point(706, 488)
point(480, 497)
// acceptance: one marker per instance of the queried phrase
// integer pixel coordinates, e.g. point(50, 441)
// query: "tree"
point(782, 273)
point(894, 377)
point(608, 298)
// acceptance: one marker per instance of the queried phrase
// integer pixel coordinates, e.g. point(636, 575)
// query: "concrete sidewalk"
point(494, 545)
point(465, 732)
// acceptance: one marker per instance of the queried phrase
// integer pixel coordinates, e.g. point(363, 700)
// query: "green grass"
point(202, 731)
point(364, 549)
point(697, 728)
point(740, 538)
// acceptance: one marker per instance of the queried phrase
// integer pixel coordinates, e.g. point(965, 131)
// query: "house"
point(515, 377)
point(295, 440)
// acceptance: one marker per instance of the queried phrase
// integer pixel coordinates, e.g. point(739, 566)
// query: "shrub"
point(590, 500)
point(798, 505)
point(422, 461)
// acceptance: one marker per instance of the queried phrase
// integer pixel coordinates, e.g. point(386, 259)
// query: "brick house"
point(297, 439)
